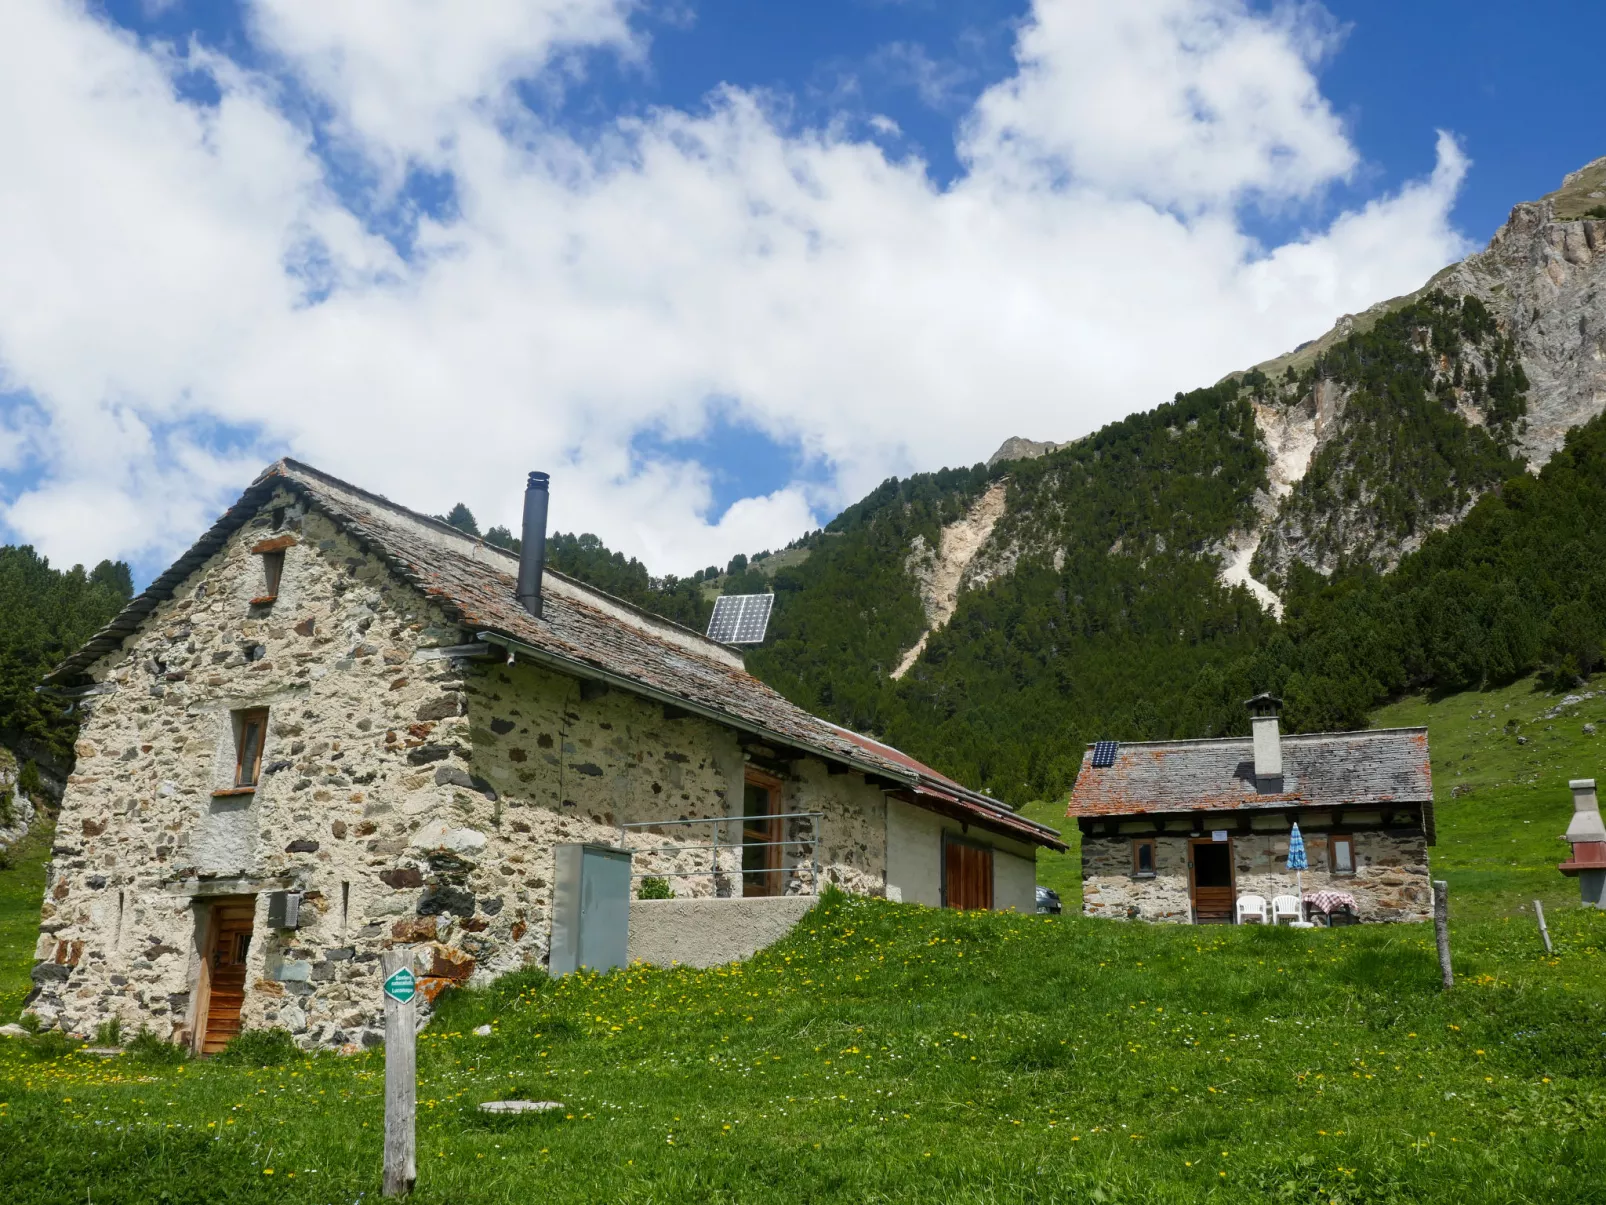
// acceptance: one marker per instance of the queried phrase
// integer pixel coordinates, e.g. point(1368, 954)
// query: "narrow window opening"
point(1143, 859)
point(272, 553)
point(345, 907)
point(250, 734)
point(272, 572)
point(1343, 855)
point(278, 517)
point(117, 934)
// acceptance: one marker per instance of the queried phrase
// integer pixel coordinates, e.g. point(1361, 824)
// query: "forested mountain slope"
point(1338, 525)
point(45, 613)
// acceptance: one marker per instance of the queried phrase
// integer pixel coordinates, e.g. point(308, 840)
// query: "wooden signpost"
point(401, 1071)
point(1441, 928)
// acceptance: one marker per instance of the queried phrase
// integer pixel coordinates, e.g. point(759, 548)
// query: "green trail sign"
point(401, 985)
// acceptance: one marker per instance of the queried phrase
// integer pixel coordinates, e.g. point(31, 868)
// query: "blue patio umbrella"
point(1296, 850)
point(1296, 863)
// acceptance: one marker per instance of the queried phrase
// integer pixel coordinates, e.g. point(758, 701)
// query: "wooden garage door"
point(967, 875)
point(231, 924)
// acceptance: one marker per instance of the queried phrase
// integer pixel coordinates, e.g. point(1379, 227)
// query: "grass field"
point(1503, 805)
point(22, 890)
point(892, 1053)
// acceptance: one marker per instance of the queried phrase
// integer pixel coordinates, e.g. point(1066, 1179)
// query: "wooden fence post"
point(401, 1071)
point(1539, 911)
point(1441, 927)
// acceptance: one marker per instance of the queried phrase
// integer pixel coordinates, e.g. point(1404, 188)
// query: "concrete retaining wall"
point(708, 932)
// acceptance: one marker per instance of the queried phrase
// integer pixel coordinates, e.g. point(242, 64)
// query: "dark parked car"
point(1048, 900)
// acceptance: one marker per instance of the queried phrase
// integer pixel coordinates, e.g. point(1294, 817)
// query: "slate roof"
point(1320, 769)
point(582, 631)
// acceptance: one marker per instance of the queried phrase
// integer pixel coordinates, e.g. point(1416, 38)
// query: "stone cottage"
point(1178, 830)
point(335, 725)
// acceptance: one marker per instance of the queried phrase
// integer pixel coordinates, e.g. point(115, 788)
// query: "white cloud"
point(1091, 262)
point(1183, 102)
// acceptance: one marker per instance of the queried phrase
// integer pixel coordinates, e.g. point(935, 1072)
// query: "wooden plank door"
point(1210, 882)
point(230, 941)
point(967, 875)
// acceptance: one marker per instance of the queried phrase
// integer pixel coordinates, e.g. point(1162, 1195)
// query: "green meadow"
point(889, 1052)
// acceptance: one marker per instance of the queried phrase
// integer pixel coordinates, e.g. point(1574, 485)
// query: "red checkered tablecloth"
point(1328, 901)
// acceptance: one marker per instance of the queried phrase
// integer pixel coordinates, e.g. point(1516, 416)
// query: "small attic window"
point(250, 733)
point(272, 571)
point(272, 554)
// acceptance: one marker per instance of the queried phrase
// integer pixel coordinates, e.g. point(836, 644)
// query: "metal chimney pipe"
point(532, 551)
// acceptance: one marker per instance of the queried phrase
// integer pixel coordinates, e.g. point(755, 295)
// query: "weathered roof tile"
point(1322, 769)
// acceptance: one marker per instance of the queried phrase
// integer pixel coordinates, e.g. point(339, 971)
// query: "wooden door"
point(967, 875)
point(1210, 882)
point(229, 942)
point(761, 835)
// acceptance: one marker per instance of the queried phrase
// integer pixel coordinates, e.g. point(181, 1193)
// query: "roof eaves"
point(960, 807)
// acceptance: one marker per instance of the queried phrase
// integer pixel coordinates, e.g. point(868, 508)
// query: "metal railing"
point(797, 874)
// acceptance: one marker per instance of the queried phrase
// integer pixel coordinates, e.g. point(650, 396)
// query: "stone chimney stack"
point(1588, 837)
point(1263, 710)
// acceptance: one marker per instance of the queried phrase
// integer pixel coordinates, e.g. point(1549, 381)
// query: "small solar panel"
point(1104, 752)
point(740, 618)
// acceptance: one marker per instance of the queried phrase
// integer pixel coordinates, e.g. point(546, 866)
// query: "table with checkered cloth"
point(1328, 901)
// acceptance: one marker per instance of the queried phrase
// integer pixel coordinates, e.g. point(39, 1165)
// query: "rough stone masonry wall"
point(1391, 880)
point(413, 799)
point(340, 661)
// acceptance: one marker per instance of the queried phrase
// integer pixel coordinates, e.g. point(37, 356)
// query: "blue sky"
point(1509, 82)
point(721, 296)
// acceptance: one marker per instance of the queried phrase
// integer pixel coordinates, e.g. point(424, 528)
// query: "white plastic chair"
point(1285, 906)
point(1252, 905)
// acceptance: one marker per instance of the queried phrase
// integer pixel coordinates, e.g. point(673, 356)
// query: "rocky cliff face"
point(941, 571)
point(1540, 279)
point(1544, 278)
point(1016, 448)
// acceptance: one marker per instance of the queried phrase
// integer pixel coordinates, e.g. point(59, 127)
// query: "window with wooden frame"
point(1341, 854)
point(1143, 858)
point(272, 554)
point(761, 834)
point(250, 734)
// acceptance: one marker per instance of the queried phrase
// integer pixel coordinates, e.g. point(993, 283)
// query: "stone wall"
point(413, 798)
point(1391, 880)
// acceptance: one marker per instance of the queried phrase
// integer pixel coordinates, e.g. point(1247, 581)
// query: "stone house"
point(1177, 830)
point(335, 725)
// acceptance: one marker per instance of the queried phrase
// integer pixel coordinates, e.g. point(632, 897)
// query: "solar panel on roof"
point(740, 618)
point(1104, 753)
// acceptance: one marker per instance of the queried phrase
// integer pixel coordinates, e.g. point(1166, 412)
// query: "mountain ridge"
point(1415, 499)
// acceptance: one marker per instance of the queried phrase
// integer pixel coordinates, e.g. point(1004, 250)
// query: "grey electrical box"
point(284, 910)
point(590, 908)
